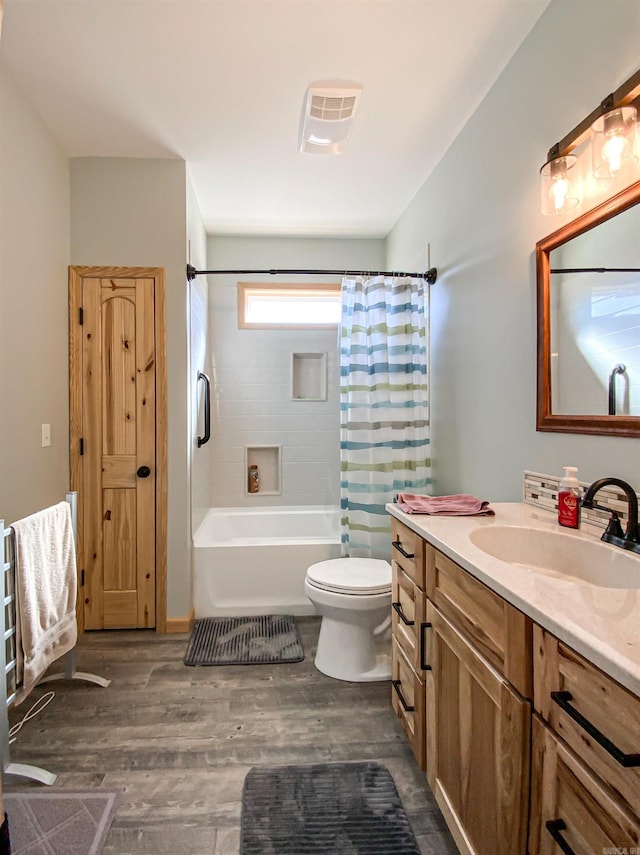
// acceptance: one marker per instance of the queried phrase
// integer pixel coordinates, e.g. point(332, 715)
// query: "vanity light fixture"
point(614, 142)
point(612, 127)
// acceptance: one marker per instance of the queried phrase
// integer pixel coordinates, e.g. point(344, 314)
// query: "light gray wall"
point(34, 254)
point(251, 392)
point(480, 212)
point(133, 212)
point(198, 295)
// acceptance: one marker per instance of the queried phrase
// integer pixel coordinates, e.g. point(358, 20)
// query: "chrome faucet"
point(631, 538)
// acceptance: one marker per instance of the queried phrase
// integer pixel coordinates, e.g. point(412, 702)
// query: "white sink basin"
point(560, 554)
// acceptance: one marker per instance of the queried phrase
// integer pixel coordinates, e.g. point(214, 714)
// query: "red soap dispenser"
point(569, 499)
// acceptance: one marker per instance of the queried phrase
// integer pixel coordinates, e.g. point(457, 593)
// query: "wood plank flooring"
point(179, 740)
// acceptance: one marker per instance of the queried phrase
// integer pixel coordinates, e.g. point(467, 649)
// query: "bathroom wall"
point(34, 254)
point(133, 212)
point(251, 395)
point(198, 297)
point(480, 212)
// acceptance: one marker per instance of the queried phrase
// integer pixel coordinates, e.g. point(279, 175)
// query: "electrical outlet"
point(46, 435)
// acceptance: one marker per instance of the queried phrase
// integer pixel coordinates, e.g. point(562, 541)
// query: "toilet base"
point(350, 652)
point(381, 671)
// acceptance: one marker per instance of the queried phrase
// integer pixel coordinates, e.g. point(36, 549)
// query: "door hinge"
point(82, 578)
point(81, 316)
point(81, 445)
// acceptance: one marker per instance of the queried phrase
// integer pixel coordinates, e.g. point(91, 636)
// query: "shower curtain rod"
point(595, 270)
point(429, 276)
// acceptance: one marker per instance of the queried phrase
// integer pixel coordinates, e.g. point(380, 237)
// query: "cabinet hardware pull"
point(398, 546)
point(423, 664)
point(405, 705)
point(401, 615)
point(563, 700)
point(554, 827)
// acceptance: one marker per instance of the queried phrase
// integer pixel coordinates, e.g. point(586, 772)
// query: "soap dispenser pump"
point(569, 499)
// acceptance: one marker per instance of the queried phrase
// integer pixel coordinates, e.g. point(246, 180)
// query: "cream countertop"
point(603, 624)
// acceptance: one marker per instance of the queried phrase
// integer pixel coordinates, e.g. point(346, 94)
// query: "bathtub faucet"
point(631, 538)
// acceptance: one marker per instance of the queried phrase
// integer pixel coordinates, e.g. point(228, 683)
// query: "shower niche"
point(268, 459)
point(308, 376)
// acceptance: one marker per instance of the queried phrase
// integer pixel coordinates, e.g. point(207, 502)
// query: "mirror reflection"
point(595, 320)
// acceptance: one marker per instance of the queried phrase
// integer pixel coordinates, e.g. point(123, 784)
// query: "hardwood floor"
point(179, 741)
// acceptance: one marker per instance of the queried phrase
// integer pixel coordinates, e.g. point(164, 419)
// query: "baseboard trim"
point(181, 624)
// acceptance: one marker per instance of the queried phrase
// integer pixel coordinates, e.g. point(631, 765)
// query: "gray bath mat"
point(324, 809)
point(256, 640)
point(59, 822)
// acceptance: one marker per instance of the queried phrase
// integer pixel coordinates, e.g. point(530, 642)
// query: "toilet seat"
point(354, 576)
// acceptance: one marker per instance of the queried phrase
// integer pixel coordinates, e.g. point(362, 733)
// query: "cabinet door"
point(478, 748)
point(407, 700)
point(407, 617)
point(408, 551)
point(571, 811)
point(497, 630)
point(598, 718)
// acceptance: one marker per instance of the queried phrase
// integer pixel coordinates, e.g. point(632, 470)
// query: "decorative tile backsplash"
point(542, 491)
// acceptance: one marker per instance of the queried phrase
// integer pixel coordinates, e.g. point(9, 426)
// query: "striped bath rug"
point(255, 640)
point(324, 809)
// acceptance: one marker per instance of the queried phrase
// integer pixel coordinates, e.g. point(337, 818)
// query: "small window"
point(264, 307)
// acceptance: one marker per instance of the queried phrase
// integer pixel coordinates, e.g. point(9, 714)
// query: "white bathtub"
point(250, 561)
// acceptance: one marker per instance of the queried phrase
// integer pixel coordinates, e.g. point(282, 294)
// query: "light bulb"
point(613, 151)
point(558, 193)
point(614, 142)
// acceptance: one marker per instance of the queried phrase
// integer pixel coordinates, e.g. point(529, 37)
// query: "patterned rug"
point(258, 640)
point(324, 809)
point(59, 822)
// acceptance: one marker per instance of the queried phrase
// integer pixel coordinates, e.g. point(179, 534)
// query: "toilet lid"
point(351, 575)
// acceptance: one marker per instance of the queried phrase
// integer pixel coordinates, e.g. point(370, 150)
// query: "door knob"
point(143, 472)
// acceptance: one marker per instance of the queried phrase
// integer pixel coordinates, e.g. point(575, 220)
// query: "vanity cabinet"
point(407, 628)
point(529, 748)
point(477, 722)
point(586, 781)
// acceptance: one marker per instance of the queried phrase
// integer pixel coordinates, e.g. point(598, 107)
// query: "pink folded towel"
point(460, 504)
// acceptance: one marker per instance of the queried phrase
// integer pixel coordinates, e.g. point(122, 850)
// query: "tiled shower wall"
point(251, 375)
point(252, 406)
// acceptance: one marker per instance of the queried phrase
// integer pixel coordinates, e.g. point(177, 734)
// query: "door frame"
point(76, 275)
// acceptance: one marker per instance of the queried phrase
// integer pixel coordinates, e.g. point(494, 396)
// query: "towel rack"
point(8, 655)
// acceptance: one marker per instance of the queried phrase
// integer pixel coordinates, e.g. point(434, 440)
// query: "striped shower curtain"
point(384, 410)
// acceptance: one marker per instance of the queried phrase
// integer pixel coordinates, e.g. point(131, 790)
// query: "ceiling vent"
point(329, 110)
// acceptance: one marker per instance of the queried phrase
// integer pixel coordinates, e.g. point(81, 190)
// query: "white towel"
point(45, 592)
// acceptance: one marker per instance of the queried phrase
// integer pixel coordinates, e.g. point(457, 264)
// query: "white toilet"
point(353, 595)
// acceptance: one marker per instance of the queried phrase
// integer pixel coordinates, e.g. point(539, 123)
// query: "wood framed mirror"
point(588, 316)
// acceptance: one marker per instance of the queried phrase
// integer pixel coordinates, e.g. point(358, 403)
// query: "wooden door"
point(118, 445)
point(478, 748)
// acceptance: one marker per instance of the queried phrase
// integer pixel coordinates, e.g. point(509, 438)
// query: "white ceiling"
point(221, 84)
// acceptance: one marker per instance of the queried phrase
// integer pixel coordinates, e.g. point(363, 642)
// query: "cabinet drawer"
point(570, 805)
point(501, 633)
point(407, 617)
point(597, 717)
point(408, 699)
point(407, 550)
